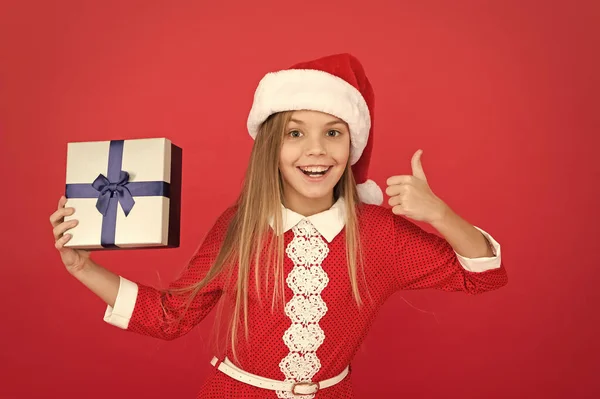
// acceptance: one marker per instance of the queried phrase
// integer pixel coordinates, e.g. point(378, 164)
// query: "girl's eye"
point(335, 133)
point(294, 133)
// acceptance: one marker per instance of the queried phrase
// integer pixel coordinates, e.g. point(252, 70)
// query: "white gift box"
point(126, 193)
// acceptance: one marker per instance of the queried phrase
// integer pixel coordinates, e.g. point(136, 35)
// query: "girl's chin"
point(315, 192)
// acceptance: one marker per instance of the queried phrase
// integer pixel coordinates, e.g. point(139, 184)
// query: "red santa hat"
point(336, 85)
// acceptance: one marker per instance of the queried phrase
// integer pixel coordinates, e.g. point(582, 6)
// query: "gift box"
point(126, 193)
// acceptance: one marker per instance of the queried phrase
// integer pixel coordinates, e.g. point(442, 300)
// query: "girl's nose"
point(315, 146)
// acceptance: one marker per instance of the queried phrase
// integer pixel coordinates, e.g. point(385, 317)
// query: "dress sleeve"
point(150, 311)
point(426, 260)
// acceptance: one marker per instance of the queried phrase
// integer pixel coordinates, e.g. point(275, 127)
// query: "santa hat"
point(336, 85)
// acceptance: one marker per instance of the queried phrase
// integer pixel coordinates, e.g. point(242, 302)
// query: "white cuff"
point(479, 265)
point(120, 314)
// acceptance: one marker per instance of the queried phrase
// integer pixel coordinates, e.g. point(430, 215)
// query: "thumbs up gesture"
point(411, 196)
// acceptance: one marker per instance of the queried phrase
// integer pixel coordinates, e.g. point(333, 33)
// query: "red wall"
point(502, 97)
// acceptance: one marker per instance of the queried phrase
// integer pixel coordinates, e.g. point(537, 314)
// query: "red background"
point(501, 95)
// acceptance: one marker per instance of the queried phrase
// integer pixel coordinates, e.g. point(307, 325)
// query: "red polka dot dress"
point(317, 334)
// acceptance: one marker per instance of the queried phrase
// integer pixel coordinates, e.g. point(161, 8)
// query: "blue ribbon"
point(107, 189)
point(115, 189)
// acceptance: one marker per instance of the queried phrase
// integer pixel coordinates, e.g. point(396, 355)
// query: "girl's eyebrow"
point(327, 124)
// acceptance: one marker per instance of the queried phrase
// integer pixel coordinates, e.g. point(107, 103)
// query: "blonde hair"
point(260, 200)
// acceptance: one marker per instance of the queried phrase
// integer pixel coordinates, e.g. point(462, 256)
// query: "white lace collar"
point(328, 223)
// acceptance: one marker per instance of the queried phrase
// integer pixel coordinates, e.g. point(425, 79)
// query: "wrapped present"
point(126, 193)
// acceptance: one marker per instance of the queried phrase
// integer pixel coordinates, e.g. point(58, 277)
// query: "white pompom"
point(370, 193)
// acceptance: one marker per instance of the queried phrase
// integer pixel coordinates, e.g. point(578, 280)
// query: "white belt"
point(297, 388)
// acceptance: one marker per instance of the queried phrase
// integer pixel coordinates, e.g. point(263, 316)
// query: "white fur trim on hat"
point(370, 193)
point(315, 90)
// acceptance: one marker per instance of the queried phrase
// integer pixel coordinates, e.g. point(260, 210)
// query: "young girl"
point(306, 256)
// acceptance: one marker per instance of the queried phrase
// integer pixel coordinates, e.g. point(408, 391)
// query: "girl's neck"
point(307, 207)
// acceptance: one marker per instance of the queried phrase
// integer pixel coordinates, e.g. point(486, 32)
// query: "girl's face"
point(314, 153)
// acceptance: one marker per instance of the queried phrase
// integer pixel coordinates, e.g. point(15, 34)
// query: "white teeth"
point(315, 169)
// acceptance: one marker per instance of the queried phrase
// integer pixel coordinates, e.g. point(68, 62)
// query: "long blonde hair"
point(259, 202)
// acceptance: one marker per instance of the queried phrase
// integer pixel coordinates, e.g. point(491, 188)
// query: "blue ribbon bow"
point(108, 188)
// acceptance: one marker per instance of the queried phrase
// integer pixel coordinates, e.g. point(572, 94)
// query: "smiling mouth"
point(315, 173)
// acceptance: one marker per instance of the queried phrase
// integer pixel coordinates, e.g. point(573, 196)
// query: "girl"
point(306, 256)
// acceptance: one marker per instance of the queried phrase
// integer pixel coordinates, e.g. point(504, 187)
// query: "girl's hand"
point(411, 196)
point(73, 259)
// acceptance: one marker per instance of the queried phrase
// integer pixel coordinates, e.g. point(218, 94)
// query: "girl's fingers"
point(58, 216)
point(59, 244)
point(59, 225)
point(62, 227)
point(61, 202)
